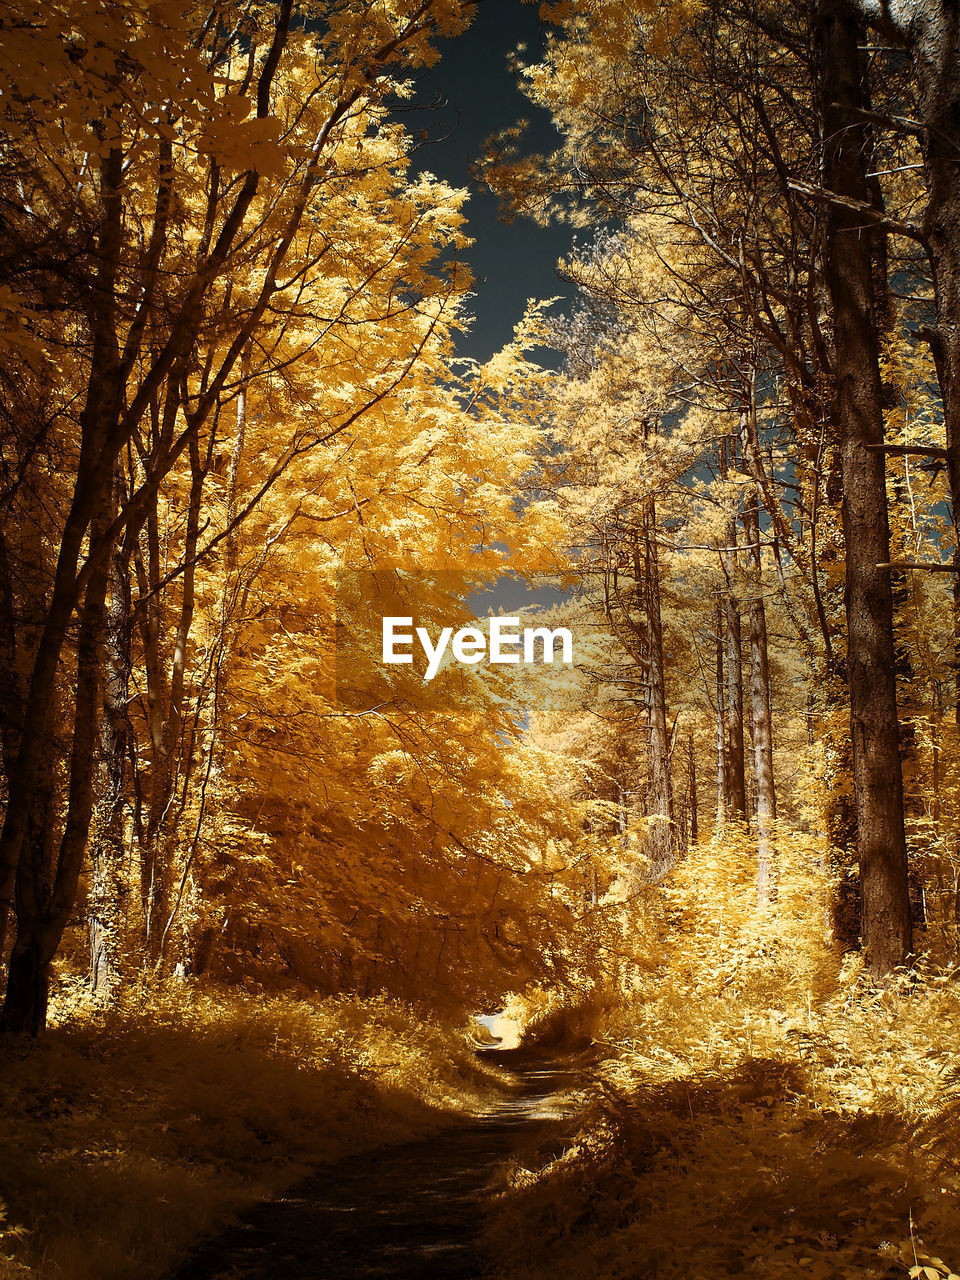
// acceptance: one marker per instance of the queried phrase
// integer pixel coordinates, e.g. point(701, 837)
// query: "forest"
point(273, 910)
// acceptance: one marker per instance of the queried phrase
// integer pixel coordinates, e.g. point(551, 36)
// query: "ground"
point(411, 1210)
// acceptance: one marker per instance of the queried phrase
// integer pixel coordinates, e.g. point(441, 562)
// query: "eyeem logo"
point(469, 644)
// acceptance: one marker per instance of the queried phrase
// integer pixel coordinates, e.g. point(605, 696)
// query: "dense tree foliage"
point(769, 278)
point(237, 431)
point(228, 336)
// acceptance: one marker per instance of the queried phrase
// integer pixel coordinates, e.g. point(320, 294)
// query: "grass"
point(131, 1133)
point(761, 1109)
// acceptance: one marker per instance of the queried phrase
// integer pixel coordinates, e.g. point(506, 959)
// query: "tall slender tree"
point(849, 260)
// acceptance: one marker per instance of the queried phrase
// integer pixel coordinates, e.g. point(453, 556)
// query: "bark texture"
point(871, 657)
point(761, 718)
point(734, 756)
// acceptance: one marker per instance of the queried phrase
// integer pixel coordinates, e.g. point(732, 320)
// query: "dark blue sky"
point(479, 96)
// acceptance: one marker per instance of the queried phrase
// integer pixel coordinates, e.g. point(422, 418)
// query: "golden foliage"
point(760, 1109)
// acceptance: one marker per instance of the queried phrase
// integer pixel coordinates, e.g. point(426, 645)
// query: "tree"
point(630, 94)
point(761, 717)
point(610, 478)
point(849, 268)
point(106, 115)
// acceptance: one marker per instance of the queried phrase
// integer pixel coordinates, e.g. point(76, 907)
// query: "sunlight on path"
point(412, 1210)
point(505, 1030)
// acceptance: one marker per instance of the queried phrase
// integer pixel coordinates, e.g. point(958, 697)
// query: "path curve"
point(405, 1211)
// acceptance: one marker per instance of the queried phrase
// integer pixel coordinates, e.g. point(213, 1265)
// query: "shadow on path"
point(411, 1210)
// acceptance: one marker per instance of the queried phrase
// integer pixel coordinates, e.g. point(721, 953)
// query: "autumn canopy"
point(260, 739)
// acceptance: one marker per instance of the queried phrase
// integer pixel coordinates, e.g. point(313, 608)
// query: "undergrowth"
point(132, 1132)
point(760, 1108)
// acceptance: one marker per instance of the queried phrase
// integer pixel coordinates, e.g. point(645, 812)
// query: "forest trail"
point(414, 1209)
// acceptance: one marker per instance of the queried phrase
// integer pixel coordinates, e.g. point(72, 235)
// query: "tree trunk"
point(42, 912)
point(721, 736)
point(735, 781)
point(871, 657)
point(28, 983)
point(633, 612)
point(107, 886)
point(937, 62)
point(660, 840)
point(734, 760)
point(692, 766)
point(932, 32)
point(92, 486)
point(168, 763)
point(761, 720)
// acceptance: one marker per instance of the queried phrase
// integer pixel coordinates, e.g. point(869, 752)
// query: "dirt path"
point(412, 1210)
